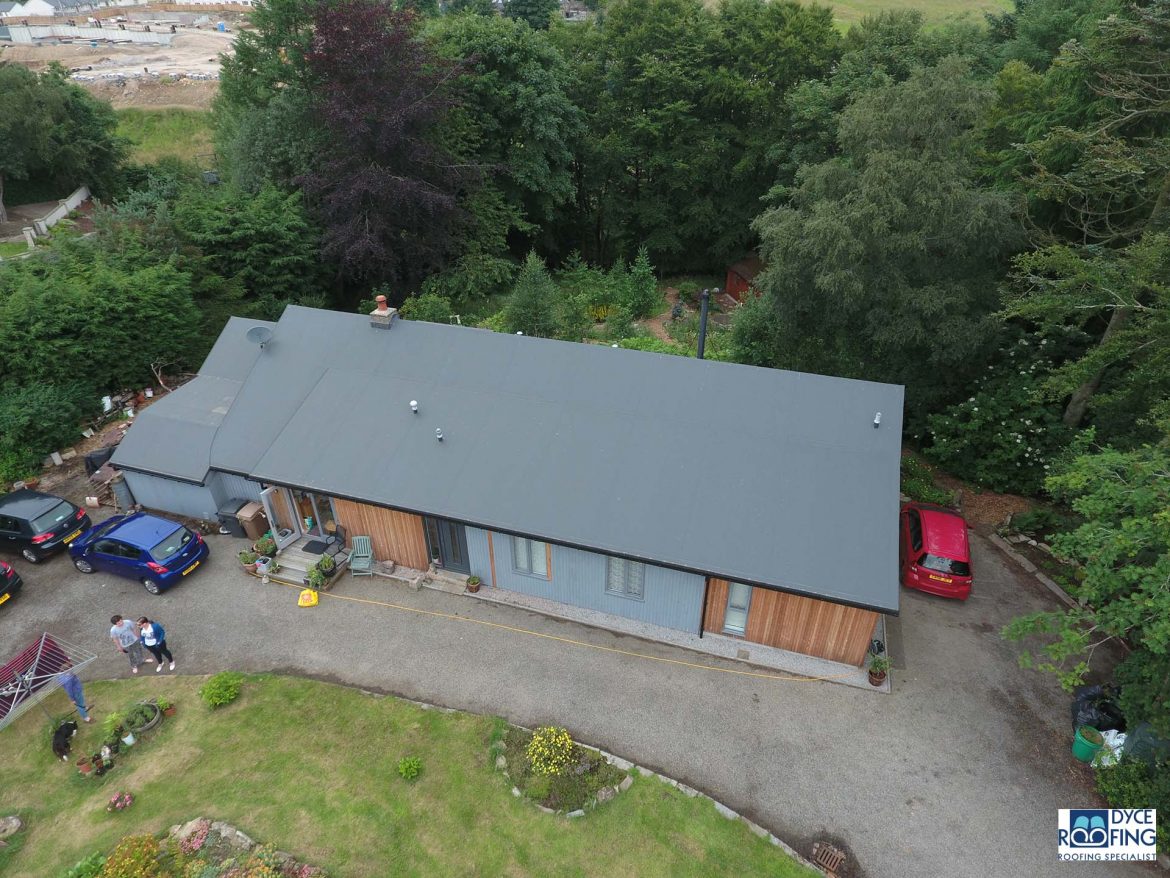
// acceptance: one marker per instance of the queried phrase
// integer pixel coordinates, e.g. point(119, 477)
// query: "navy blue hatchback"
point(155, 551)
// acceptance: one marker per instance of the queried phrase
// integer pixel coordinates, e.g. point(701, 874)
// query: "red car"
point(933, 552)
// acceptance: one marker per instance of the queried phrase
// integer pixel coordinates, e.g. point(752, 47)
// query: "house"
point(740, 276)
point(579, 473)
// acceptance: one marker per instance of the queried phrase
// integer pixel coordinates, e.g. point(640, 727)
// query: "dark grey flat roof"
point(173, 436)
point(759, 475)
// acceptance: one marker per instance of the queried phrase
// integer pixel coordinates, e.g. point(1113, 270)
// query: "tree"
point(265, 125)
point(884, 264)
point(533, 305)
point(430, 307)
point(641, 288)
point(536, 13)
point(1124, 552)
point(383, 185)
point(265, 241)
point(1102, 186)
point(53, 129)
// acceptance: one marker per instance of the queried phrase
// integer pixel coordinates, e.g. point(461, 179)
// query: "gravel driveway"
point(958, 773)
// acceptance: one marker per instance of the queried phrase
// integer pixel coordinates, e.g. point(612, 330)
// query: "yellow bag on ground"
point(308, 598)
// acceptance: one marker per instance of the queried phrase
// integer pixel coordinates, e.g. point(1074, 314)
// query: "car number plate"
point(4, 597)
point(192, 567)
point(940, 578)
point(72, 536)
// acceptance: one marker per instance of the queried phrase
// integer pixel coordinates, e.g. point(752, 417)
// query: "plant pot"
point(262, 566)
point(473, 587)
point(128, 739)
point(251, 568)
point(155, 718)
point(84, 765)
point(877, 678)
point(1087, 743)
point(168, 711)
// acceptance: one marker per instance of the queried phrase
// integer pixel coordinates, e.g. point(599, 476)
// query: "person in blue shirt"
point(154, 638)
point(72, 687)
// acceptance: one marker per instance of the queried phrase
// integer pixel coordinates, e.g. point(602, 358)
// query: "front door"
point(739, 600)
point(448, 543)
point(278, 505)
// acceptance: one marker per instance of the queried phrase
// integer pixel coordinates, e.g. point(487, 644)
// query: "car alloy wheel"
point(151, 586)
point(83, 565)
point(30, 556)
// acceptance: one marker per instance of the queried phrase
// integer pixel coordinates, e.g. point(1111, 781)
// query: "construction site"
point(146, 57)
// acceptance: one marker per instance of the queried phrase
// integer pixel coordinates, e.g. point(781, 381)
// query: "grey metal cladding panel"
point(227, 486)
point(672, 599)
point(168, 495)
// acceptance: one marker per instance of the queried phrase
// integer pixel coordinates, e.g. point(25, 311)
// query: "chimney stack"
point(382, 317)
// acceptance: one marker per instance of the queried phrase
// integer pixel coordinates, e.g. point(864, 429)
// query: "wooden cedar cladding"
point(796, 623)
point(396, 536)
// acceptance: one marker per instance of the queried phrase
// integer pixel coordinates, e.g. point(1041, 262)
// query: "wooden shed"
point(740, 276)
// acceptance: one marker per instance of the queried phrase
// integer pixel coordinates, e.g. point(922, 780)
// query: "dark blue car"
point(155, 551)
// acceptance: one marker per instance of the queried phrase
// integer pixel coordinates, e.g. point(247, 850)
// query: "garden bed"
point(577, 787)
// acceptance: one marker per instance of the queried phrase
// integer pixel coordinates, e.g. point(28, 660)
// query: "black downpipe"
point(706, 593)
point(705, 298)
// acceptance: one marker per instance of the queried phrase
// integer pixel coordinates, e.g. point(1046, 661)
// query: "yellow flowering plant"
point(550, 751)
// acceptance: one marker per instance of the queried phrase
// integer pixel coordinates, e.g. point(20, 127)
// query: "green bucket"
point(1087, 743)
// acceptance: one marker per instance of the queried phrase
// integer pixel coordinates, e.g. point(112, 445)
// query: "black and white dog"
point(61, 739)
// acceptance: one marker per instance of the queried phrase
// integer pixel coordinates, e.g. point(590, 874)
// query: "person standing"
point(72, 687)
point(125, 635)
point(154, 638)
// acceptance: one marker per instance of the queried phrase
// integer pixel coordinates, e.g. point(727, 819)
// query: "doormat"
point(313, 547)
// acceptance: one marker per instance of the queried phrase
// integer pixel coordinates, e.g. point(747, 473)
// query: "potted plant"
point(85, 765)
point(115, 729)
point(263, 566)
point(143, 717)
point(315, 579)
point(167, 708)
point(326, 565)
point(473, 584)
point(248, 558)
point(879, 667)
point(266, 545)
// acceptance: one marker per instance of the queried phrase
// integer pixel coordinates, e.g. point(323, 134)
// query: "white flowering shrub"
point(1005, 436)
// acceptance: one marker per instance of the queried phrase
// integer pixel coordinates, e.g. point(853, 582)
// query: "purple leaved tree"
point(384, 187)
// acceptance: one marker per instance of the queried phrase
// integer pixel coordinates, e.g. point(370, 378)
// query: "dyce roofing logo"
point(1088, 828)
point(1107, 834)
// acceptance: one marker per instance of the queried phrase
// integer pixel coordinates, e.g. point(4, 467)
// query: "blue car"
point(155, 551)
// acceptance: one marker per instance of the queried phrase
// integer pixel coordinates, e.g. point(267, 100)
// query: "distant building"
point(741, 275)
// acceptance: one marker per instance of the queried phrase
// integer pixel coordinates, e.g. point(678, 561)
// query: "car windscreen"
point(945, 565)
point(172, 544)
point(52, 518)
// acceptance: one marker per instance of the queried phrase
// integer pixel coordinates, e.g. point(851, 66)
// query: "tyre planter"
point(155, 718)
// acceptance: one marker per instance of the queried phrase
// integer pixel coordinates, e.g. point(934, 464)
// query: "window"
point(914, 521)
point(530, 556)
point(53, 517)
point(739, 601)
point(945, 565)
point(9, 524)
point(172, 544)
point(625, 578)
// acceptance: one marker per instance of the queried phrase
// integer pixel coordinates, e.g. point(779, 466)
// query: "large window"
point(625, 578)
point(530, 556)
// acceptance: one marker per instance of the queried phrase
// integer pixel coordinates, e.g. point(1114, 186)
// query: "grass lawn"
point(169, 133)
point(311, 768)
point(12, 248)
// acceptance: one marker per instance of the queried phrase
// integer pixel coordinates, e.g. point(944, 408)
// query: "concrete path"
point(958, 773)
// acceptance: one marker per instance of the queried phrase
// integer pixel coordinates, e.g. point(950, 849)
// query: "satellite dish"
point(260, 335)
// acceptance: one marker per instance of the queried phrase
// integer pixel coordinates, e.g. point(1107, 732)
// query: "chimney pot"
point(383, 316)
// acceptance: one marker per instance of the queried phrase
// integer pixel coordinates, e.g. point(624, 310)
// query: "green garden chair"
point(361, 557)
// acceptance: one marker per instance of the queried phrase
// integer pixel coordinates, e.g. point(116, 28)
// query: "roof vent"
point(438, 434)
point(414, 406)
point(383, 316)
point(877, 420)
